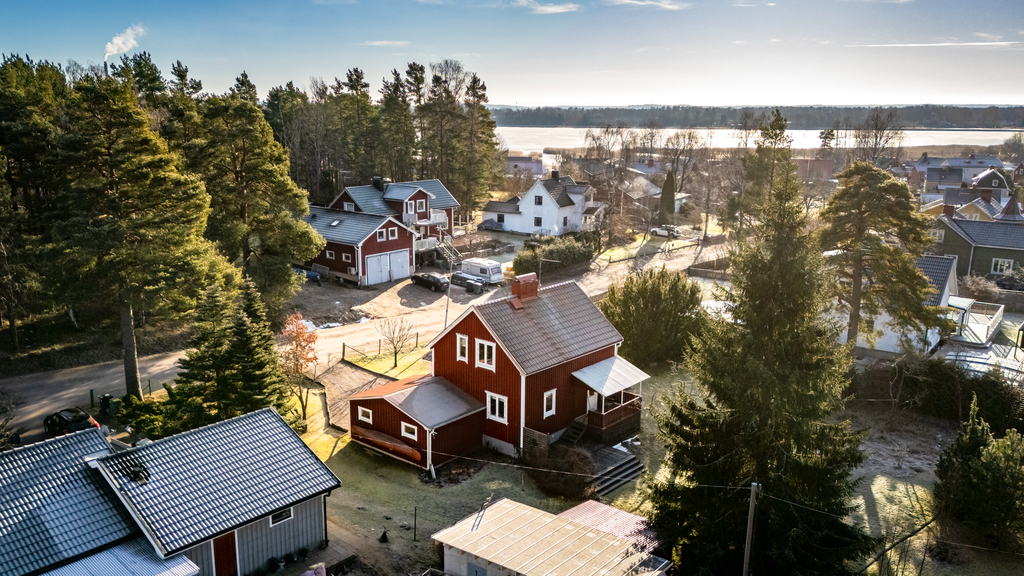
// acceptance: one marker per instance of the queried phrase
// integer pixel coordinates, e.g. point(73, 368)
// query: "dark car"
point(309, 275)
point(68, 420)
point(461, 278)
point(431, 280)
point(490, 224)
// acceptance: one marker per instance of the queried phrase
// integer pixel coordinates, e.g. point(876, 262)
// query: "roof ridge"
point(56, 439)
point(539, 290)
point(133, 449)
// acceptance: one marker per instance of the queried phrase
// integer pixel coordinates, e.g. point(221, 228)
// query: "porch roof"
point(610, 376)
point(960, 303)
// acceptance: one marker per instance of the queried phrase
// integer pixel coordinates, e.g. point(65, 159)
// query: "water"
point(536, 139)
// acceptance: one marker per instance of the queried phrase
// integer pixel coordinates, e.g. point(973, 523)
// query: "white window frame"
point(393, 233)
point(421, 205)
point(405, 431)
point(995, 182)
point(538, 200)
point(998, 266)
point(538, 224)
point(938, 235)
point(504, 404)
point(460, 341)
point(348, 206)
point(365, 414)
point(553, 394)
point(382, 235)
point(352, 270)
point(329, 254)
point(346, 257)
point(975, 216)
point(291, 514)
point(410, 207)
point(486, 343)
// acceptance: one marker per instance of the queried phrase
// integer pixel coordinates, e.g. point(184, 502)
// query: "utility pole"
point(754, 487)
point(448, 292)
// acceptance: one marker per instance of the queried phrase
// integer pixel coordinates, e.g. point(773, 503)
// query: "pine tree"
point(764, 169)
point(954, 487)
point(668, 199)
point(480, 146)
point(769, 379)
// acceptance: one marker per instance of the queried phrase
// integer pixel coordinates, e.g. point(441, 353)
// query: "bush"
point(944, 389)
point(145, 417)
point(578, 485)
point(567, 251)
point(978, 288)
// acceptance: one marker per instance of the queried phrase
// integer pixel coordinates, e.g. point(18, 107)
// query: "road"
point(47, 392)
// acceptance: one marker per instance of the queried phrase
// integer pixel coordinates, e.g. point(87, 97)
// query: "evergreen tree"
point(769, 379)
point(874, 223)
point(766, 168)
point(480, 147)
point(245, 90)
point(146, 80)
point(954, 490)
point(397, 131)
point(668, 199)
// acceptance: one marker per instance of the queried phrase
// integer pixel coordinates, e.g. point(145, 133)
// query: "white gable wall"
point(550, 214)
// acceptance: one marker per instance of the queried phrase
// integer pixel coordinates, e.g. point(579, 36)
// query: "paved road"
point(48, 392)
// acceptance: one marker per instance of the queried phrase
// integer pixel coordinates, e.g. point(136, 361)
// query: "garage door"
point(385, 267)
point(399, 264)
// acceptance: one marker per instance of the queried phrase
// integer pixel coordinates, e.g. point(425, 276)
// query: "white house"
point(553, 206)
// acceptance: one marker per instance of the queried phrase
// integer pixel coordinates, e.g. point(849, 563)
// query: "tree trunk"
point(856, 277)
point(14, 325)
point(132, 380)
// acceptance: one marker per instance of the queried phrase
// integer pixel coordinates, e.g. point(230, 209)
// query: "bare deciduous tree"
point(879, 136)
point(397, 332)
point(684, 152)
point(8, 401)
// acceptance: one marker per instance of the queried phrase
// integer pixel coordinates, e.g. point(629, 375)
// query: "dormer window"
point(349, 207)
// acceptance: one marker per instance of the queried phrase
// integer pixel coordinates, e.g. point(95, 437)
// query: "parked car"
point(1010, 282)
point(68, 420)
point(308, 275)
point(662, 231)
point(461, 278)
point(431, 280)
point(490, 224)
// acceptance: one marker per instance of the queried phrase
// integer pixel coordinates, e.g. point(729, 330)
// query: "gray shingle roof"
point(351, 228)
point(560, 189)
point(370, 200)
point(973, 162)
point(504, 207)
point(434, 402)
point(996, 234)
point(990, 209)
point(53, 506)
point(400, 192)
point(937, 269)
point(560, 325)
point(198, 484)
point(442, 197)
point(132, 558)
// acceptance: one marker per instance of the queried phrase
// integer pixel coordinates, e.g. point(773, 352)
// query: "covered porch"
point(977, 323)
point(614, 399)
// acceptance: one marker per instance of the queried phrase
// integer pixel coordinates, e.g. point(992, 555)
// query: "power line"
point(805, 507)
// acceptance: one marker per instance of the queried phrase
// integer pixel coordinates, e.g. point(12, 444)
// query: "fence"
point(345, 347)
point(651, 249)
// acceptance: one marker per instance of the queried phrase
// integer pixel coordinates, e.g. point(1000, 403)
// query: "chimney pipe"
point(106, 73)
point(986, 194)
point(948, 210)
point(554, 175)
point(378, 183)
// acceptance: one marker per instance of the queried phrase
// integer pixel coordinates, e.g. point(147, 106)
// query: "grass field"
point(409, 362)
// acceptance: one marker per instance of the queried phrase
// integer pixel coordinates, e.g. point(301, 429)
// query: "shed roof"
point(225, 475)
point(53, 506)
point(937, 269)
point(612, 375)
point(503, 207)
point(351, 228)
point(559, 325)
point(615, 522)
point(132, 558)
point(434, 401)
point(525, 540)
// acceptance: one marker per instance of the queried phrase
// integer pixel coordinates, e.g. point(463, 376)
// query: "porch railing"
point(627, 408)
point(436, 217)
point(425, 244)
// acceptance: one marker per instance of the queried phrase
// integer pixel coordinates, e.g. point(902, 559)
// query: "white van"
point(486, 271)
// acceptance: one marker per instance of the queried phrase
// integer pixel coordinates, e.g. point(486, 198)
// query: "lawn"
point(639, 247)
point(409, 361)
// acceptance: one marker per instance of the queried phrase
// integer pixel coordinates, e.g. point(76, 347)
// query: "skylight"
point(335, 223)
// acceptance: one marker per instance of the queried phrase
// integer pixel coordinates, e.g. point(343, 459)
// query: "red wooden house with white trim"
point(526, 367)
point(363, 248)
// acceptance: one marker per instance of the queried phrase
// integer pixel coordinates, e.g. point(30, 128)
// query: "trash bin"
point(474, 287)
point(115, 407)
point(105, 404)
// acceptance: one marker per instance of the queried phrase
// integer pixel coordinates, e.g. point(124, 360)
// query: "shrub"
point(978, 288)
point(945, 390)
point(145, 417)
point(550, 478)
point(565, 250)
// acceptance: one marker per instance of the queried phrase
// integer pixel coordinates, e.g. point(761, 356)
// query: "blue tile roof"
point(53, 506)
point(351, 228)
point(370, 200)
point(190, 487)
point(937, 269)
point(995, 234)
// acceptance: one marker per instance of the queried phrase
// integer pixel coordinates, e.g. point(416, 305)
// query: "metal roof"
point(442, 197)
point(525, 540)
point(434, 401)
point(973, 162)
point(559, 325)
point(612, 375)
point(401, 192)
point(370, 200)
point(351, 228)
point(53, 506)
point(503, 207)
point(615, 522)
point(190, 487)
point(986, 207)
point(937, 269)
point(132, 558)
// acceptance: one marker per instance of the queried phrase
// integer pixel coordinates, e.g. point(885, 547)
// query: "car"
point(662, 231)
point(68, 420)
point(431, 280)
point(309, 275)
point(490, 224)
point(461, 278)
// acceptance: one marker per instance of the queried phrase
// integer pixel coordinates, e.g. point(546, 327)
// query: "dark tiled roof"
point(504, 207)
point(400, 192)
point(560, 325)
point(442, 197)
point(192, 486)
point(995, 234)
point(985, 179)
point(53, 506)
point(351, 228)
point(370, 200)
point(937, 269)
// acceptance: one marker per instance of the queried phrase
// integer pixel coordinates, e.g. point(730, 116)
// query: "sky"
point(560, 52)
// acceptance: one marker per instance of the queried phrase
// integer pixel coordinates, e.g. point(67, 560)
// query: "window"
point(346, 257)
point(330, 254)
point(382, 235)
point(549, 403)
point(421, 205)
point(408, 431)
point(485, 354)
point(975, 216)
point(565, 220)
point(462, 348)
point(336, 222)
point(366, 415)
point(538, 200)
point(995, 182)
point(538, 221)
point(496, 408)
point(278, 517)
point(501, 218)
point(392, 233)
point(1001, 266)
point(410, 207)
point(349, 207)
point(937, 235)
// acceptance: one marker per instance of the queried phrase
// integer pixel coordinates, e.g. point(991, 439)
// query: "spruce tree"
point(770, 379)
point(954, 487)
point(668, 199)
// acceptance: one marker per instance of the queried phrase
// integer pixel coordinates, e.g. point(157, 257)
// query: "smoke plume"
point(124, 41)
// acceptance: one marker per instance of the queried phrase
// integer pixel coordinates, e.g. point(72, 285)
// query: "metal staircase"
point(448, 251)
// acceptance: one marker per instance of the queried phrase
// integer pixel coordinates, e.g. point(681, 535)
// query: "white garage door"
point(399, 264)
point(388, 266)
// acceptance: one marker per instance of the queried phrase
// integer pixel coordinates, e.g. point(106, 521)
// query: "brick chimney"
point(524, 288)
point(986, 194)
point(554, 175)
point(948, 210)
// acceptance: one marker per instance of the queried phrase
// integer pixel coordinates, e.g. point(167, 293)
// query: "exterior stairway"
point(615, 468)
point(574, 434)
point(448, 251)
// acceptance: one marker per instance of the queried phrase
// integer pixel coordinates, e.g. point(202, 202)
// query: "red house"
point(363, 248)
point(524, 368)
point(425, 206)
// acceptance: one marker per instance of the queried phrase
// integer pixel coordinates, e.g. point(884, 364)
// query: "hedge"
point(566, 251)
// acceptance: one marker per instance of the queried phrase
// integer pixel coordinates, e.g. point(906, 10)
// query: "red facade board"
point(571, 395)
point(387, 418)
point(458, 437)
point(339, 202)
point(505, 380)
point(337, 264)
point(404, 241)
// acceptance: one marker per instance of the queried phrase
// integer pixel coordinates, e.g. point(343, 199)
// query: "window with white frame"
point(410, 207)
point(975, 216)
point(382, 235)
point(538, 200)
point(485, 354)
point(349, 207)
point(937, 235)
point(365, 415)
point(1001, 266)
point(346, 257)
point(281, 516)
point(538, 221)
point(496, 404)
point(408, 431)
point(392, 233)
point(549, 403)
point(995, 182)
point(421, 205)
point(330, 254)
point(462, 348)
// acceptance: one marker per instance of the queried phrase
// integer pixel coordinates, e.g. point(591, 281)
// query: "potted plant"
point(273, 565)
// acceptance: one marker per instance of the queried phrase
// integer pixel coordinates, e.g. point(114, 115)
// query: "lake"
point(536, 139)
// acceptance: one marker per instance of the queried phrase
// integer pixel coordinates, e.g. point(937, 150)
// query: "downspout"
point(430, 452)
point(324, 500)
point(970, 261)
point(359, 266)
point(522, 409)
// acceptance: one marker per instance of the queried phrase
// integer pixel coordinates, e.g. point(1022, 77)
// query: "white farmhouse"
point(553, 206)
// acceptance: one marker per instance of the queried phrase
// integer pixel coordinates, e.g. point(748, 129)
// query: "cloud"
point(773, 40)
point(664, 4)
point(124, 41)
point(881, 1)
point(538, 8)
point(988, 37)
point(386, 43)
point(740, 42)
point(932, 44)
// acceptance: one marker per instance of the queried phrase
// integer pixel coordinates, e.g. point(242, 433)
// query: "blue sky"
point(557, 52)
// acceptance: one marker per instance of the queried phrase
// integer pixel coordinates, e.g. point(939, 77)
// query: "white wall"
point(549, 212)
